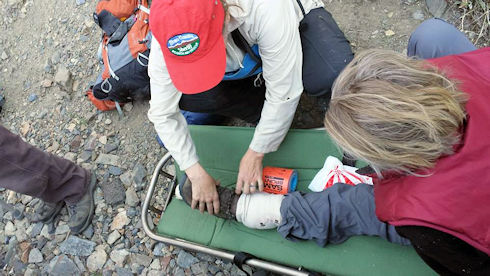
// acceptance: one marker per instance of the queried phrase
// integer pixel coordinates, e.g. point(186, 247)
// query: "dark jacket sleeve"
point(444, 253)
point(334, 215)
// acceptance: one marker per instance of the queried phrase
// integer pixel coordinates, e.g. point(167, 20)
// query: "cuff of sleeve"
point(185, 164)
point(257, 146)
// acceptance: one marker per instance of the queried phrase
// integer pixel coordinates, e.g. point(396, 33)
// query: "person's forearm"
point(165, 114)
point(195, 172)
point(273, 125)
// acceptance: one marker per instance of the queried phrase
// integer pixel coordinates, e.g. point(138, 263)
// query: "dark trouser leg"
point(334, 215)
point(28, 170)
point(326, 52)
point(238, 98)
point(435, 38)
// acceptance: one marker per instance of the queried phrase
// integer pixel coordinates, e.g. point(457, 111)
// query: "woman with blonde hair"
point(424, 127)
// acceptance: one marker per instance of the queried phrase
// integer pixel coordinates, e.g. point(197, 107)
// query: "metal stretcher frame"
point(273, 267)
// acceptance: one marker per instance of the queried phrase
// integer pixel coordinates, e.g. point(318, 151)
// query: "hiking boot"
point(227, 198)
point(81, 213)
point(45, 212)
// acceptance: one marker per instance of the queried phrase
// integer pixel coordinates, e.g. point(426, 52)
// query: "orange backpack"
point(124, 51)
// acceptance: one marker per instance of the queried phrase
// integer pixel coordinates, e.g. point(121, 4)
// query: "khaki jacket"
point(273, 25)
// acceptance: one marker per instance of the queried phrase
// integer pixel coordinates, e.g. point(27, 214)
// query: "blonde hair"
point(394, 112)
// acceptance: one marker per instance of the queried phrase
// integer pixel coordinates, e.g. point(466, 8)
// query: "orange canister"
point(279, 180)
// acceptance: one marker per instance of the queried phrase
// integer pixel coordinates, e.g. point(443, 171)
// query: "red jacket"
point(455, 198)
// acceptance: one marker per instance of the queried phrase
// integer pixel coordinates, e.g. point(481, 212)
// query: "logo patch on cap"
point(183, 44)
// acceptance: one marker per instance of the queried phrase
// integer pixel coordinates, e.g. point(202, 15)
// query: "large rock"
point(10, 229)
point(141, 259)
point(132, 198)
point(115, 170)
point(139, 174)
point(108, 148)
point(113, 237)
point(120, 220)
point(201, 268)
point(113, 191)
point(63, 78)
point(35, 256)
point(18, 266)
point(62, 229)
point(11, 251)
point(185, 260)
point(119, 257)
point(97, 260)
point(436, 7)
point(80, 265)
point(77, 247)
point(155, 264)
point(62, 266)
point(121, 271)
point(32, 272)
point(126, 178)
point(21, 234)
point(90, 143)
point(159, 250)
point(36, 229)
point(108, 159)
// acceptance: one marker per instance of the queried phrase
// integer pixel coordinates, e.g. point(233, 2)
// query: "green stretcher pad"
point(220, 150)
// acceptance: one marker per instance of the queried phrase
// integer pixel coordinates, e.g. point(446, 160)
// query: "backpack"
point(123, 51)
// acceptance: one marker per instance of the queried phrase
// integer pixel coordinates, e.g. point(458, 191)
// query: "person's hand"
point(204, 193)
point(250, 173)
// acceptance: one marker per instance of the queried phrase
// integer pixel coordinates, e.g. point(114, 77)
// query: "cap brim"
point(200, 75)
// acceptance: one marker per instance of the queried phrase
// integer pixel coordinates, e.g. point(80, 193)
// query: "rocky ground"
point(47, 61)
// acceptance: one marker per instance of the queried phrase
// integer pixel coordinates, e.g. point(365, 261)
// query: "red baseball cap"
point(190, 34)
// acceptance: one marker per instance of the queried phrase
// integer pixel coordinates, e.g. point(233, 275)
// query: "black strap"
point(301, 7)
point(240, 259)
point(347, 160)
point(350, 161)
point(121, 30)
point(107, 22)
point(367, 170)
point(242, 43)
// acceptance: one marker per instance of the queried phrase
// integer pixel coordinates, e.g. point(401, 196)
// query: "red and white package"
point(334, 171)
